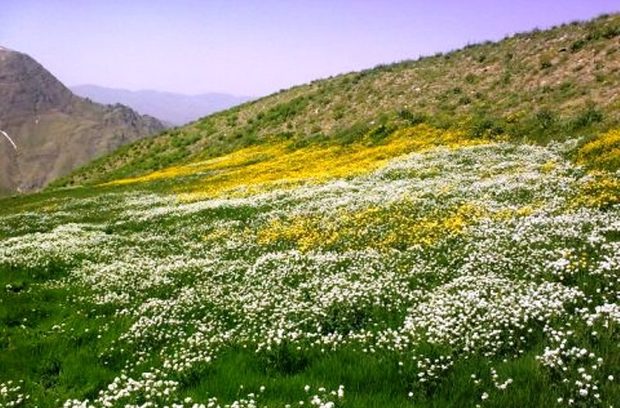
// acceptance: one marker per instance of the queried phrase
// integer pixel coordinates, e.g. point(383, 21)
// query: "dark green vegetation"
point(57, 364)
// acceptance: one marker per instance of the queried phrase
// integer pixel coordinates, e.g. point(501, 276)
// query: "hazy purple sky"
point(256, 47)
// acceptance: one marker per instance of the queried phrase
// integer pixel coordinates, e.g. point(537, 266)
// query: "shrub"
point(411, 118)
point(545, 119)
point(578, 45)
point(542, 126)
point(586, 118)
point(350, 134)
point(284, 358)
point(486, 126)
point(471, 78)
point(545, 63)
point(232, 120)
point(464, 100)
point(380, 132)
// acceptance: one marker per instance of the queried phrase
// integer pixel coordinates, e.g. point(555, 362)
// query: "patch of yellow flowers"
point(602, 190)
point(261, 168)
point(397, 226)
point(602, 152)
point(508, 213)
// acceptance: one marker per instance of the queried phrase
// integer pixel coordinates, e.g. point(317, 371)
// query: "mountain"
point(538, 86)
point(53, 130)
point(173, 108)
point(438, 233)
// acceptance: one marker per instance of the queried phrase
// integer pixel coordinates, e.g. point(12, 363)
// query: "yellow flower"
point(601, 190)
point(261, 168)
point(601, 152)
point(396, 226)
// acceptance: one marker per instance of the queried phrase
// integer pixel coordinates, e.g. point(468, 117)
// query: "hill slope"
point(396, 263)
point(173, 108)
point(53, 130)
point(539, 86)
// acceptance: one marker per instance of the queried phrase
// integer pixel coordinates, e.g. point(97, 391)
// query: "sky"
point(256, 47)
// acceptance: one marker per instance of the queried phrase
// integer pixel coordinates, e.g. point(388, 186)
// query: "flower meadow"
point(454, 274)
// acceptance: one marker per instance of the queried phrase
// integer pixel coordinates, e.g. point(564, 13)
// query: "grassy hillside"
point(537, 86)
point(354, 242)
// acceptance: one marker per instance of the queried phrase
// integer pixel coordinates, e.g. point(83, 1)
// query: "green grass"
point(55, 361)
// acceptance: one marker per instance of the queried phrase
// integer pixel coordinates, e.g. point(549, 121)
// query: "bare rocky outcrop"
point(54, 130)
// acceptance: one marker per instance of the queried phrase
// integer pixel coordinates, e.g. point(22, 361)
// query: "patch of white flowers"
point(12, 395)
point(508, 276)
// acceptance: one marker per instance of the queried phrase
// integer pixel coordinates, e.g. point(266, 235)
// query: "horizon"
point(158, 91)
point(256, 48)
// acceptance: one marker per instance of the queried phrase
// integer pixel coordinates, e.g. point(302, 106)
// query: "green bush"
point(350, 134)
point(380, 132)
point(411, 118)
point(545, 64)
point(578, 45)
point(586, 118)
point(485, 126)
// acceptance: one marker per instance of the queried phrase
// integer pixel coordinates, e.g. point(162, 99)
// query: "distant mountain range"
point(175, 109)
point(46, 131)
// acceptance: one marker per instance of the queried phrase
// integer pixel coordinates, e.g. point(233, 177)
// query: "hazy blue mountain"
point(176, 109)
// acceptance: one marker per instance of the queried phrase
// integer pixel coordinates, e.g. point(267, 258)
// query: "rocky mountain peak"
point(54, 130)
